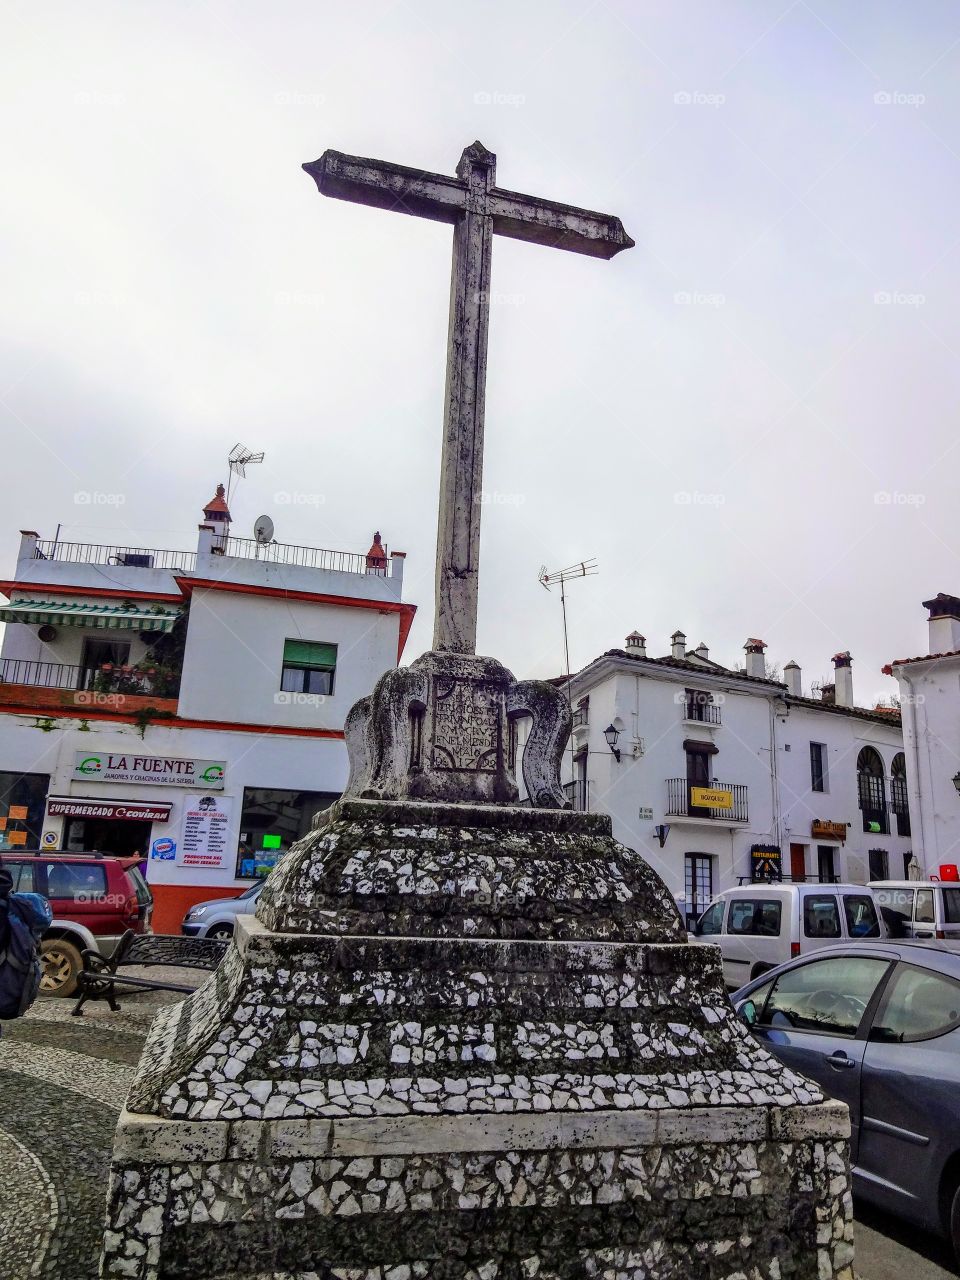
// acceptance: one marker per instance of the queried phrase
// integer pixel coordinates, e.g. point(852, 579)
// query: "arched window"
point(898, 793)
point(871, 788)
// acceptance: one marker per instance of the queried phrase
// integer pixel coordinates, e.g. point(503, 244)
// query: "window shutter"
point(309, 653)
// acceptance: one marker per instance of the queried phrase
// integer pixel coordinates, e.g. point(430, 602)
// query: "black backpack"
point(29, 917)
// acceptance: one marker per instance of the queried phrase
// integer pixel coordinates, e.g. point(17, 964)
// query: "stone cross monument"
point(478, 210)
point(465, 1039)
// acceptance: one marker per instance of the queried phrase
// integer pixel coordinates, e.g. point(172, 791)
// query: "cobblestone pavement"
point(62, 1083)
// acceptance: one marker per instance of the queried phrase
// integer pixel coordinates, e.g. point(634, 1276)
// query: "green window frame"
point(309, 667)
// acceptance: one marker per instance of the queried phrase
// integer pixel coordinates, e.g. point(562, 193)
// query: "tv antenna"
point(585, 569)
point(239, 458)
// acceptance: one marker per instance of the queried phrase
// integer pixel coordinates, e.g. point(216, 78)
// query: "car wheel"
point(220, 931)
point(60, 962)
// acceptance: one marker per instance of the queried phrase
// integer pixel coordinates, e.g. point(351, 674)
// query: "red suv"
point(95, 898)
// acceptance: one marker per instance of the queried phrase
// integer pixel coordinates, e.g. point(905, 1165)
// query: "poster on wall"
point(206, 830)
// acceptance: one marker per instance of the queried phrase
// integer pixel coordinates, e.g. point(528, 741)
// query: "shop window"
point(308, 667)
point(23, 802)
point(270, 822)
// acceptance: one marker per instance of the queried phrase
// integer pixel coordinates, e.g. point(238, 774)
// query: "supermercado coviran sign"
point(170, 771)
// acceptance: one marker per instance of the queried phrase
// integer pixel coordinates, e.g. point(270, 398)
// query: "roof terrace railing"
point(128, 557)
point(306, 557)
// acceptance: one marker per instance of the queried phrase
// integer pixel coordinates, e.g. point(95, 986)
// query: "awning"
point(65, 613)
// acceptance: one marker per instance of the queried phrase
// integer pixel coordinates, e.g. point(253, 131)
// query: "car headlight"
point(195, 913)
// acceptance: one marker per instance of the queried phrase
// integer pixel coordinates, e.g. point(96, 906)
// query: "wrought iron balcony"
point(127, 557)
point(44, 675)
point(581, 717)
point(578, 793)
point(701, 709)
point(680, 801)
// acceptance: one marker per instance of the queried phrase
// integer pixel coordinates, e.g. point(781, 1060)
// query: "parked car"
point(919, 908)
point(95, 898)
point(217, 918)
point(758, 926)
point(878, 1026)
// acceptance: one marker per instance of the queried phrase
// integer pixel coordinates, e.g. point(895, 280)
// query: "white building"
point(732, 770)
point(187, 706)
point(930, 705)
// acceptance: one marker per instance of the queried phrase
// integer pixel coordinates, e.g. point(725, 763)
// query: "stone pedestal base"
point(378, 1107)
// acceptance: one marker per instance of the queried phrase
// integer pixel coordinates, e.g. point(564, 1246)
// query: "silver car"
point(217, 918)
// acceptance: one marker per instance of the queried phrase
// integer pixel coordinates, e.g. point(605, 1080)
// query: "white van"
point(919, 908)
point(758, 926)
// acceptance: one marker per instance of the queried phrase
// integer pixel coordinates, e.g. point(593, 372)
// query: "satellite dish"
point(263, 530)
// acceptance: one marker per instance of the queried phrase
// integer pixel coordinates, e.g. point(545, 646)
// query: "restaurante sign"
point(171, 771)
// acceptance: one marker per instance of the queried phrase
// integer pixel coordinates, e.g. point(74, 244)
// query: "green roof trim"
point(63, 613)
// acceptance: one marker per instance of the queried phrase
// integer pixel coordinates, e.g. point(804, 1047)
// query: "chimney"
point(944, 623)
point(636, 645)
point(377, 557)
point(678, 645)
point(843, 689)
point(217, 514)
point(702, 651)
point(755, 664)
point(828, 694)
point(791, 675)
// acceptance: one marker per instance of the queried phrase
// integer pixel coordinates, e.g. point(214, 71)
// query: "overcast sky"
point(750, 419)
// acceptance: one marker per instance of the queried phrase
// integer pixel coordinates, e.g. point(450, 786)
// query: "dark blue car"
point(877, 1025)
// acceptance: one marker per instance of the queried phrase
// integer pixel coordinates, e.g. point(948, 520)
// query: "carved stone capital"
point(444, 729)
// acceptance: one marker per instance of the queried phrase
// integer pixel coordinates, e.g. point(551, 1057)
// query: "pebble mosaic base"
point(424, 870)
point(548, 1080)
point(384, 1027)
point(758, 1209)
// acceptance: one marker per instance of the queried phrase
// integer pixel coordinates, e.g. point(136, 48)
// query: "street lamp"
point(612, 736)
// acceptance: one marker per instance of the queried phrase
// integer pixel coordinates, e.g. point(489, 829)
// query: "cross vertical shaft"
point(461, 462)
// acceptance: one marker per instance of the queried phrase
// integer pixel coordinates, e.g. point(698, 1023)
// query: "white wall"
point(234, 657)
point(930, 699)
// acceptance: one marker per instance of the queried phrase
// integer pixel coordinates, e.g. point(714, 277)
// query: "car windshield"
point(253, 890)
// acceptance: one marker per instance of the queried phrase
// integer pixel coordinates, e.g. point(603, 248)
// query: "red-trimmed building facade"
point(186, 706)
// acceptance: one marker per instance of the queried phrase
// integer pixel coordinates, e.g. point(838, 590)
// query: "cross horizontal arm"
point(559, 226)
point(389, 186)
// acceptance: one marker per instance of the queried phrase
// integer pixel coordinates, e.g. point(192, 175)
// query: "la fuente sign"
point(127, 766)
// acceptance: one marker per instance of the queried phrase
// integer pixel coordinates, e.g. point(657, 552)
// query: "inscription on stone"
point(466, 726)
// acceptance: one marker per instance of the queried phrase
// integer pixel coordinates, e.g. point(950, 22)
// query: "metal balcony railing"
point(581, 717)
point(306, 557)
point(679, 804)
point(578, 793)
point(704, 712)
point(128, 557)
point(46, 675)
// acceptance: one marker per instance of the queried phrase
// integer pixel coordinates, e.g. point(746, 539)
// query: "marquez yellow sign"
point(711, 797)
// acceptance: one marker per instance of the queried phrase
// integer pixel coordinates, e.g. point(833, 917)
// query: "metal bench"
point(99, 977)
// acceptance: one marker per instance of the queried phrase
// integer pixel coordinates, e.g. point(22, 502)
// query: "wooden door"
point(798, 862)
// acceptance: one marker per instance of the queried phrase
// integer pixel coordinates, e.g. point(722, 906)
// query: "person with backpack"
point(24, 919)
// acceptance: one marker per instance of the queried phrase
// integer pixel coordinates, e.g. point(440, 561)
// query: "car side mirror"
point(747, 1012)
